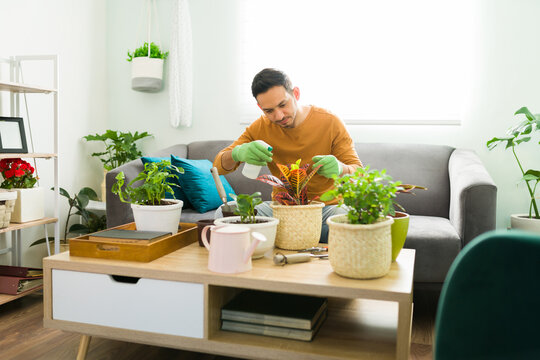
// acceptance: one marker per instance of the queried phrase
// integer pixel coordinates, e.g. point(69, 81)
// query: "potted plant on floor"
point(300, 219)
point(151, 210)
point(360, 242)
point(521, 133)
point(147, 67)
point(247, 217)
point(89, 222)
point(120, 148)
point(19, 176)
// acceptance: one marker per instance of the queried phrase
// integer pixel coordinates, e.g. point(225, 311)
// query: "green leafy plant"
point(245, 206)
point(155, 184)
point(155, 52)
point(90, 222)
point(292, 183)
point(519, 134)
point(120, 147)
point(367, 194)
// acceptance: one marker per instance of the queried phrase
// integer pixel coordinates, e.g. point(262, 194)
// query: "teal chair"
point(489, 306)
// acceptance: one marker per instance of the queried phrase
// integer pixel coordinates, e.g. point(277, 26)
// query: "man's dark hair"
point(268, 78)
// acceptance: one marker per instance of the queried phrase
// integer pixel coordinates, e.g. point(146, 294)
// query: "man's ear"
point(296, 93)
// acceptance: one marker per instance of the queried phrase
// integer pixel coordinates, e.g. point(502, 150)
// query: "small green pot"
point(400, 227)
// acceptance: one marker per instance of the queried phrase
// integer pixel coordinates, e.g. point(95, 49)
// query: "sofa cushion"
point(178, 191)
point(436, 243)
point(418, 164)
point(198, 184)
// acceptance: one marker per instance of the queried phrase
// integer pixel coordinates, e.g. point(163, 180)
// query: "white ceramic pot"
point(523, 222)
point(268, 229)
point(146, 74)
point(158, 217)
point(29, 205)
point(359, 251)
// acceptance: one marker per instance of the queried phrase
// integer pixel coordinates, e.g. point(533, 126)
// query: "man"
point(293, 131)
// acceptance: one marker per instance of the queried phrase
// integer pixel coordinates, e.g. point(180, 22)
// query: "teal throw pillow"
point(198, 184)
point(179, 194)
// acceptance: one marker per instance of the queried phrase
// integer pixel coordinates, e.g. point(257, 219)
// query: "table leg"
point(83, 347)
point(403, 346)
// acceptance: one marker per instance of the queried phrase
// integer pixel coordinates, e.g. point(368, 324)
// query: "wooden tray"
point(82, 246)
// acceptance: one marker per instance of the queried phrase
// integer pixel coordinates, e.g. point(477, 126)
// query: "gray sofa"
point(459, 204)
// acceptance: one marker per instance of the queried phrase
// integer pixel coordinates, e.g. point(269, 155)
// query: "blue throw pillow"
point(198, 184)
point(179, 194)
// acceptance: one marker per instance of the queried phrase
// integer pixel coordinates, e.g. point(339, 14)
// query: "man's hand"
point(253, 153)
point(330, 165)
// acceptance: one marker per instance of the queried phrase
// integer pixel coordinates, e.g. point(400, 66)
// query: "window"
point(374, 62)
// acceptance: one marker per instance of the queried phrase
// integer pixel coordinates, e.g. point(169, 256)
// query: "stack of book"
point(15, 280)
point(289, 316)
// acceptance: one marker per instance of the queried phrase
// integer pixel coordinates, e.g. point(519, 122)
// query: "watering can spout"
point(257, 238)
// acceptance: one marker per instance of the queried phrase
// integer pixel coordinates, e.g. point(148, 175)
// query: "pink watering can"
point(230, 248)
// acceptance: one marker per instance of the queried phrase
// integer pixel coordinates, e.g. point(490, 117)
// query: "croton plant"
point(291, 184)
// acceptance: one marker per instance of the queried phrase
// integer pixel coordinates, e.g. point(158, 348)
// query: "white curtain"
point(181, 67)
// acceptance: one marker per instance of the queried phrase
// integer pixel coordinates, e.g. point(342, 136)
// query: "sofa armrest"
point(119, 213)
point(473, 195)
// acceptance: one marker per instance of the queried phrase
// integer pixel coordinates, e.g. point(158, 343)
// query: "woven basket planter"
point(359, 251)
point(299, 225)
point(7, 204)
point(5, 212)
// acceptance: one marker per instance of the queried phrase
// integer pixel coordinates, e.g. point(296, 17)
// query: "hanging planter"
point(147, 68)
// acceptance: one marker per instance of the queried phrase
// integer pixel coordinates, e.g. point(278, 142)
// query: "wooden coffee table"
point(175, 302)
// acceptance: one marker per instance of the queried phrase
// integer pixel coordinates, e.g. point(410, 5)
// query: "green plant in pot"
point(300, 219)
point(120, 148)
point(518, 134)
point(360, 242)
point(147, 67)
point(247, 217)
point(89, 221)
point(151, 210)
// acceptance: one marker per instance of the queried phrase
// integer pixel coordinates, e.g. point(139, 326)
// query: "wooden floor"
point(23, 337)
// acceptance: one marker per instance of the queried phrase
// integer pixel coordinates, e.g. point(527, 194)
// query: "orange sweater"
point(321, 133)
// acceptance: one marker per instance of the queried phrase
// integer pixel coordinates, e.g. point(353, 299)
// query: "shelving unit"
point(15, 88)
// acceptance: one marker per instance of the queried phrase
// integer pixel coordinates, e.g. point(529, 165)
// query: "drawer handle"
point(125, 279)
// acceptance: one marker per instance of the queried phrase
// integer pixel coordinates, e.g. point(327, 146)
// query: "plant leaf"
point(526, 112)
point(271, 180)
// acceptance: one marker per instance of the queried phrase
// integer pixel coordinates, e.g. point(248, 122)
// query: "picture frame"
point(12, 135)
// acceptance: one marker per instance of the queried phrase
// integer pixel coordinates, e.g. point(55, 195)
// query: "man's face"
point(279, 106)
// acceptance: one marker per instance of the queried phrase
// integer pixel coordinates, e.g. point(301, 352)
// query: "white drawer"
point(160, 306)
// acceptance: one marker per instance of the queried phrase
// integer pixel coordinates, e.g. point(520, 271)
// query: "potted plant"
point(147, 67)
point(518, 134)
point(359, 242)
point(151, 210)
point(300, 219)
point(90, 222)
point(247, 217)
point(120, 148)
point(400, 226)
point(19, 176)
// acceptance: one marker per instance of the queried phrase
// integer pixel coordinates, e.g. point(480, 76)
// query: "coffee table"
point(175, 302)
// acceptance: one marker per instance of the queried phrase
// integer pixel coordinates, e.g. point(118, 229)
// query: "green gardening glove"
point(253, 153)
point(330, 165)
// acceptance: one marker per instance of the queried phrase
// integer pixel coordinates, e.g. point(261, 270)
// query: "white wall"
point(76, 32)
point(505, 78)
